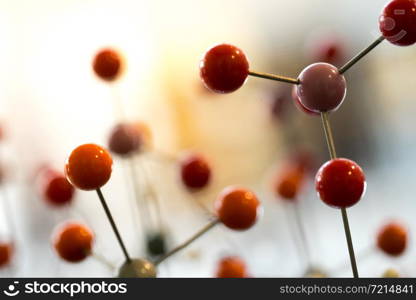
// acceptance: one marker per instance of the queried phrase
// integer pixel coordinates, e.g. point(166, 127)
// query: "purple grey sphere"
point(322, 88)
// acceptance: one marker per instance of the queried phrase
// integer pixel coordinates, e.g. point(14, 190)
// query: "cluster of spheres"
point(319, 89)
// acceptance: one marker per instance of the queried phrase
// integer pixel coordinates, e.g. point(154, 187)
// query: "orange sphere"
point(231, 267)
point(392, 239)
point(237, 208)
point(289, 183)
point(6, 252)
point(89, 167)
point(73, 242)
point(107, 64)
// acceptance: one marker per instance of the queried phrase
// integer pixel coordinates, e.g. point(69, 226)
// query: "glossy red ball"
point(107, 64)
point(231, 267)
point(73, 242)
point(57, 189)
point(89, 167)
point(398, 22)
point(224, 68)
point(340, 183)
point(237, 208)
point(195, 172)
point(125, 139)
point(392, 239)
point(322, 88)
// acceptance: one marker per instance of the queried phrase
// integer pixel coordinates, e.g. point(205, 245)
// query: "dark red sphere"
point(392, 239)
point(73, 242)
point(328, 48)
point(340, 183)
point(195, 172)
point(6, 253)
point(398, 22)
point(125, 139)
point(231, 267)
point(237, 208)
point(89, 167)
point(224, 68)
point(322, 88)
point(57, 190)
point(107, 64)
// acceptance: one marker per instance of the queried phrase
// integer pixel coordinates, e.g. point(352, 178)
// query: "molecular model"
point(319, 90)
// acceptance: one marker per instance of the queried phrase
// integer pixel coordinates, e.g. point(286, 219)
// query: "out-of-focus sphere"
point(237, 208)
point(391, 273)
point(392, 239)
point(73, 242)
point(322, 88)
point(107, 64)
point(195, 172)
point(125, 139)
point(231, 267)
point(137, 268)
point(6, 253)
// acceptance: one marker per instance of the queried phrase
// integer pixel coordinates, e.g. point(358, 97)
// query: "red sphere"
point(125, 139)
point(392, 239)
point(237, 208)
point(224, 68)
point(398, 22)
point(329, 49)
point(107, 64)
point(6, 253)
point(280, 102)
point(322, 88)
point(89, 167)
point(195, 172)
point(73, 242)
point(340, 183)
point(289, 183)
point(231, 267)
point(57, 190)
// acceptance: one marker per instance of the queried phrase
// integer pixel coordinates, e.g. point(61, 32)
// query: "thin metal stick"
point(304, 241)
point(274, 77)
point(333, 154)
point(349, 242)
point(328, 135)
point(101, 259)
point(360, 55)
point(201, 232)
point(140, 198)
point(113, 225)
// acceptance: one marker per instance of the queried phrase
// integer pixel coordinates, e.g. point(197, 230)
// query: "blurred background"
point(51, 102)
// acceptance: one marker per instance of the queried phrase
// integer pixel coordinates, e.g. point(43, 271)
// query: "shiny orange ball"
point(89, 167)
point(73, 242)
point(237, 208)
point(392, 239)
point(107, 64)
point(6, 252)
point(231, 267)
